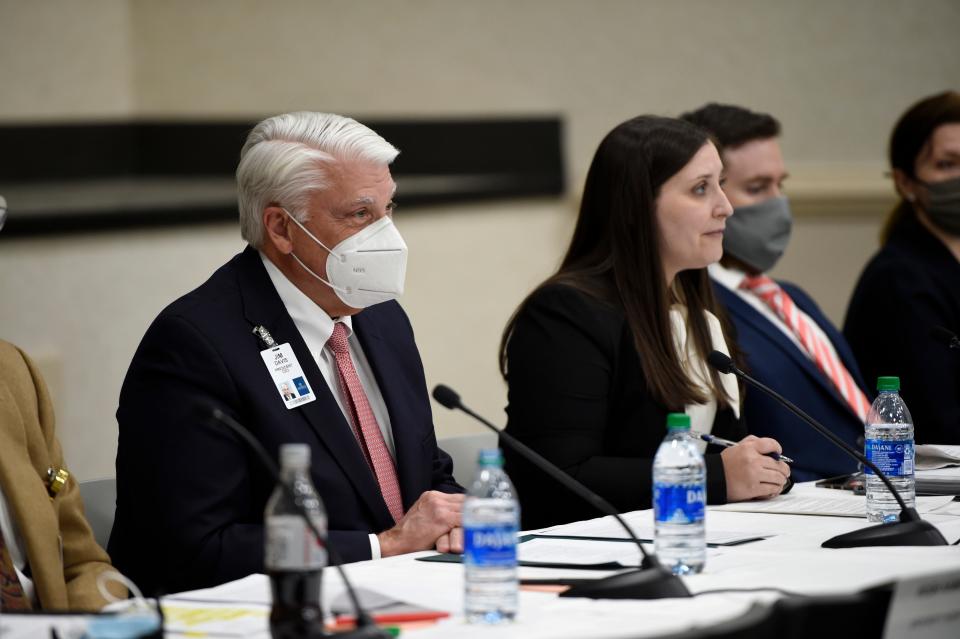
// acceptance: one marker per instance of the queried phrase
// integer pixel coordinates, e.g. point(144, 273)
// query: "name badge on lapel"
point(285, 371)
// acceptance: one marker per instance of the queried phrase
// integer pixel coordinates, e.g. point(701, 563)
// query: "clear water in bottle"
point(491, 521)
point(889, 445)
point(293, 558)
point(679, 497)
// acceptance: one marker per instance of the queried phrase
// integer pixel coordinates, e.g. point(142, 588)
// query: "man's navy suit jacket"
point(191, 495)
point(776, 361)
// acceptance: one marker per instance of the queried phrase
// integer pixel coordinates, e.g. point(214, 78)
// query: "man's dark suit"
point(190, 495)
point(775, 360)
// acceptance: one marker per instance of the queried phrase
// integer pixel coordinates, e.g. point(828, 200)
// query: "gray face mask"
point(758, 234)
point(943, 204)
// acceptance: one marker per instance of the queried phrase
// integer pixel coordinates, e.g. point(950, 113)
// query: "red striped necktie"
point(365, 426)
point(818, 348)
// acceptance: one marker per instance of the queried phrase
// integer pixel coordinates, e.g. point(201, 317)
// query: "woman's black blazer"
point(577, 395)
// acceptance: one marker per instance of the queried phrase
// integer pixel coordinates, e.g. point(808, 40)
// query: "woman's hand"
point(750, 473)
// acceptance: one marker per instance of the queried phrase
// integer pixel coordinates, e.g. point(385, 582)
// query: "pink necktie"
point(365, 426)
point(12, 596)
point(784, 308)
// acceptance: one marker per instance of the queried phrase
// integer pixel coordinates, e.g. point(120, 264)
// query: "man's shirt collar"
point(314, 324)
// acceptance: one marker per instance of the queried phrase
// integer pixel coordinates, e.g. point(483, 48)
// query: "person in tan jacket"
point(48, 556)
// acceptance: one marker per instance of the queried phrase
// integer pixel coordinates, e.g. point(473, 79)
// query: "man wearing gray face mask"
point(785, 339)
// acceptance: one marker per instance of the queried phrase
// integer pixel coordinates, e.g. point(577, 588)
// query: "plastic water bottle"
point(293, 557)
point(889, 445)
point(491, 520)
point(679, 496)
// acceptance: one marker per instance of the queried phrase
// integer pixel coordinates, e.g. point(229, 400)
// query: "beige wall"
point(835, 73)
point(66, 60)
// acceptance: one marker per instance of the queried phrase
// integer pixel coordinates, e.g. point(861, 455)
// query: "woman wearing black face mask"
point(912, 285)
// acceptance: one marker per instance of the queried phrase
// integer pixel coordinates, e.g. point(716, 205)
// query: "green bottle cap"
point(678, 421)
point(490, 457)
point(888, 383)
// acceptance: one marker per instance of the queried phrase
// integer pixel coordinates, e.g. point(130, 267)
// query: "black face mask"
point(943, 204)
point(758, 234)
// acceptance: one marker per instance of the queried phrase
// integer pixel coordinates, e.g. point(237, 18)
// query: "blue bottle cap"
point(123, 626)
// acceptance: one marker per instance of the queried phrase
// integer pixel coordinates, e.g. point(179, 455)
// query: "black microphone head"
point(447, 397)
point(943, 335)
point(721, 362)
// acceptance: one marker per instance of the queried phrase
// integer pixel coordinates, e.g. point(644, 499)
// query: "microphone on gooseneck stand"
point(910, 530)
point(365, 627)
point(946, 337)
point(652, 581)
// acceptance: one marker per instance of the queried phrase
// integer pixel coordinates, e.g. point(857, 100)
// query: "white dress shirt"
point(702, 415)
point(16, 548)
point(316, 327)
point(732, 279)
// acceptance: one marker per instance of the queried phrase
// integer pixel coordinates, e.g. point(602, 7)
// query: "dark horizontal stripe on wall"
point(85, 177)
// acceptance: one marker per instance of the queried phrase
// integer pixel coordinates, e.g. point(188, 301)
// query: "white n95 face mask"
point(367, 268)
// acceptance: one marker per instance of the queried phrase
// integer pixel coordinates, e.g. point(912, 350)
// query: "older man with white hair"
point(299, 337)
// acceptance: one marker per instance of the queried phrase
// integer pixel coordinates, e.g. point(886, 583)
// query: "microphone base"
point(909, 531)
point(650, 583)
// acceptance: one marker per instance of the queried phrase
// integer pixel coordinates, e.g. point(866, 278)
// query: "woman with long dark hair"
point(912, 285)
point(600, 352)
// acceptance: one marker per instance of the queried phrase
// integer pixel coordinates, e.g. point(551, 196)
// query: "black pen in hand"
point(726, 443)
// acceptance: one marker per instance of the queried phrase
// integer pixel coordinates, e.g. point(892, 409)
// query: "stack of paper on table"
point(641, 523)
point(938, 469)
point(806, 499)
